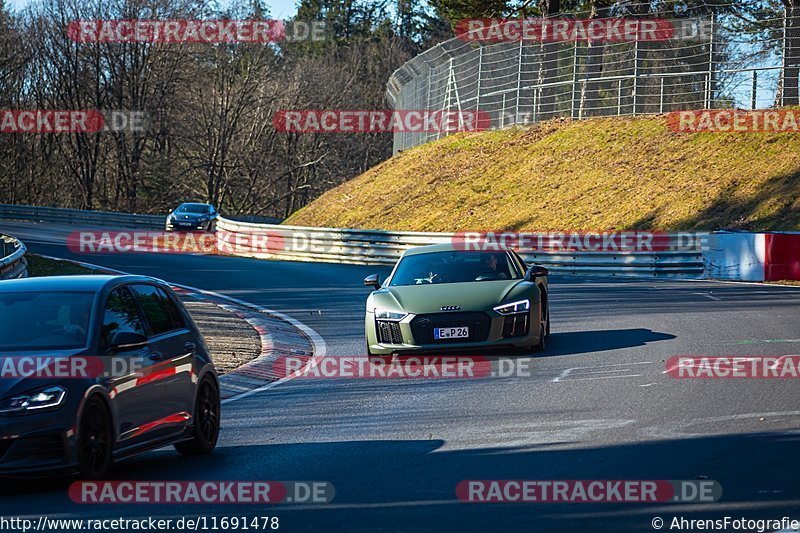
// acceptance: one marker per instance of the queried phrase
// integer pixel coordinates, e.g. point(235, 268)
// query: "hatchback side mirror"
point(536, 271)
point(373, 281)
point(123, 341)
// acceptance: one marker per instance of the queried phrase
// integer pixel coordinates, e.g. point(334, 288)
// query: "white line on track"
point(707, 295)
point(319, 345)
point(601, 377)
point(568, 374)
point(753, 284)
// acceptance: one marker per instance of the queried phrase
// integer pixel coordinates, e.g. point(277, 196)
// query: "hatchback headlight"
point(31, 402)
point(513, 308)
point(385, 314)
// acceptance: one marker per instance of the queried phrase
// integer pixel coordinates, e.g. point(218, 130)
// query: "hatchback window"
point(160, 311)
point(44, 320)
point(120, 315)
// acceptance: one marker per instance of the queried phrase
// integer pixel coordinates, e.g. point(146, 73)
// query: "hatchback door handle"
point(189, 346)
point(156, 356)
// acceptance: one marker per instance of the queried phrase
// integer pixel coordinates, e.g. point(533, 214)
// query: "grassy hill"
point(593, 175)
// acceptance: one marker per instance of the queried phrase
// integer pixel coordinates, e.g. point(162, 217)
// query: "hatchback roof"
point(85, 283)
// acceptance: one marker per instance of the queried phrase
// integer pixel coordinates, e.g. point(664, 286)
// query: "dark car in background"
point(157, 384)
point(191, 217)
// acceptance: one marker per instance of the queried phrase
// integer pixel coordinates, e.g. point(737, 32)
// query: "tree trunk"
point(548, 65)
point(594, 67)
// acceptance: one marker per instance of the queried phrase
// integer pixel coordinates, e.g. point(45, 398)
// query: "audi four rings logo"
point(451, 308)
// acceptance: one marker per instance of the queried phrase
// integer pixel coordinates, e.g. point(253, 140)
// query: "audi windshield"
point(453, 267)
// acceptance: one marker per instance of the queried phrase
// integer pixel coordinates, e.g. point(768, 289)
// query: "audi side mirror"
point(536, 271)
point(373, 281)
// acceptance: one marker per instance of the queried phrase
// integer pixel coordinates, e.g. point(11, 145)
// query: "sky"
point(279, 9)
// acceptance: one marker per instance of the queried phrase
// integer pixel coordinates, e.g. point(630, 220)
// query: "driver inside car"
point(489, 268)
point(80, 321)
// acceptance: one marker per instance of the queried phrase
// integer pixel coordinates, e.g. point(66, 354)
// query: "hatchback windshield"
point(453, 267)
point(194, 208)
point(44, 320)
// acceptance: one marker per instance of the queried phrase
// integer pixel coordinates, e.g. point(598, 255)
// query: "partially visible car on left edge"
point(163, 389)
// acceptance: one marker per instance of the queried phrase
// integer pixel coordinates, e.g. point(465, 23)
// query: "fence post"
point(519, 78)
point(661, 97)
point(574, 78)
point(480, 69)
point(583, 98)
point(430, 83)
point(427, 101)
point(446, 99)
point(635, 72)
point(710, 96)
point(619, 97)
point(783, 60)
point(755, 90)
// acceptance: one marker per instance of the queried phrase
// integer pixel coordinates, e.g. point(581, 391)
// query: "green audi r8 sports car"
point(441, 298)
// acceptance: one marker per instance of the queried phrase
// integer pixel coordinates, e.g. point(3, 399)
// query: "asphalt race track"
point(596, 406)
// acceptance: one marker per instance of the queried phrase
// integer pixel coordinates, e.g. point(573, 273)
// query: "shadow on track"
point(577, 342)
point(404, 485)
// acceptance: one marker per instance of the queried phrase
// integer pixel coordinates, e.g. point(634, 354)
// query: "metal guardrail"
point(332, 245)
point(77, 216)
point(372, 247)
point(13, 263)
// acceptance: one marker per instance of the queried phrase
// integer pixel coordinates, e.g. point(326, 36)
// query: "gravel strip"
point(232, 341)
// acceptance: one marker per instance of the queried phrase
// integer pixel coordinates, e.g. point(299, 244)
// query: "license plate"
point(460, 332)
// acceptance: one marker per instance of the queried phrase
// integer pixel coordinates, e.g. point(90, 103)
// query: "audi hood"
point(430, 298)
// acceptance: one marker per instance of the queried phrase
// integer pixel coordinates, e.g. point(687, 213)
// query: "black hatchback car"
point(98, 368)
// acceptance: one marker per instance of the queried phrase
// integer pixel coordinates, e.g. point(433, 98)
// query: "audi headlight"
point(385, 314)
point(31, 402)
point(513, 308)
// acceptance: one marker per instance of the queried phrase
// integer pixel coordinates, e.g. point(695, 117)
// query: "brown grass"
point(592, 175)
